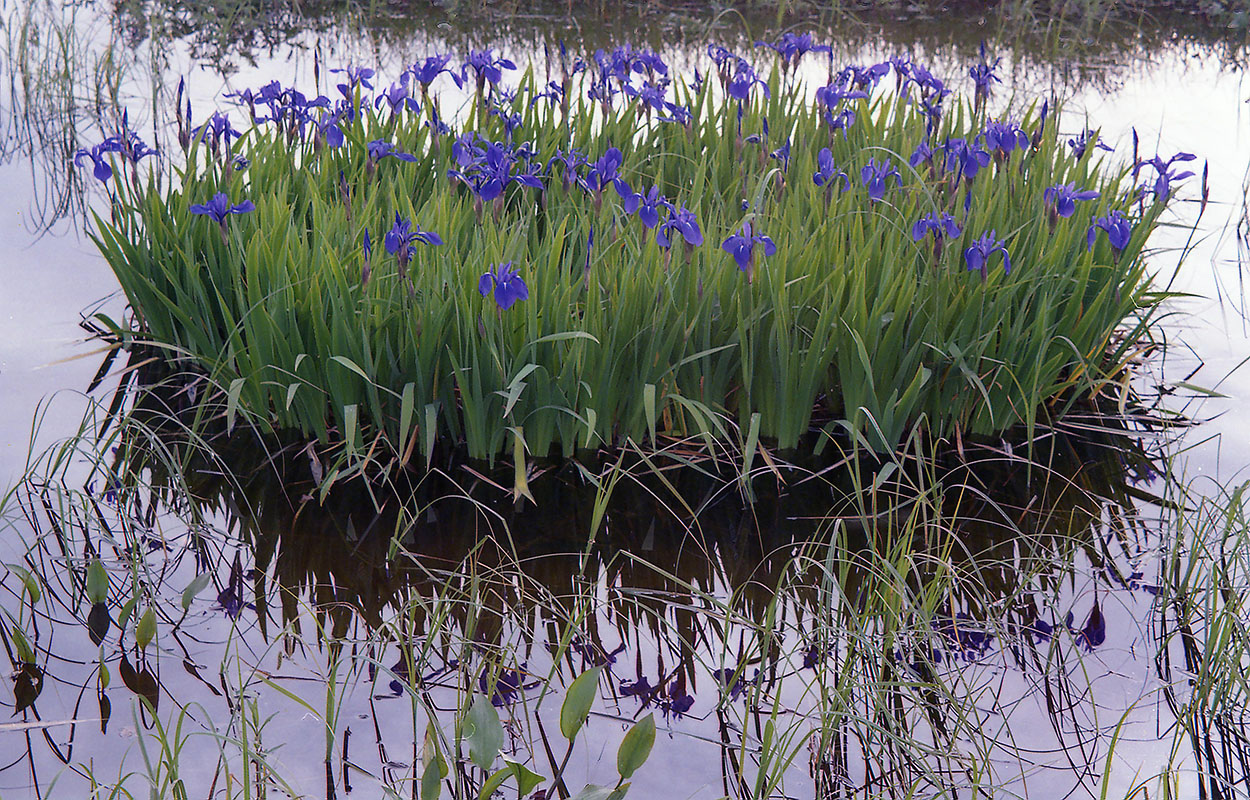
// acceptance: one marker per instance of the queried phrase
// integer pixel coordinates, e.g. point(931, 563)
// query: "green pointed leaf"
point(97, 582)
point(431, 781)
point(29, 582)
point(636, 746)
point(232, 402)
point(577, 703)
point(196, 586)
point(483, 731)
point(593, 792)
point(145, 631)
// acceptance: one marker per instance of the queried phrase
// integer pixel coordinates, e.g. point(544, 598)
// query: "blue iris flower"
point(742, 247)
point(216, 130)
point(923, 154)
point(1083, 142)
point(682, 222)
point(1117, 227)
point(506, 284)
point(431, 68)
point(1061, 198)
point(964, 158)
point(219, 208)
point(397, 97)
point(793, 46)
point(941, 226)
point(401, 240)
point(744, 78)
point(1165, 176)
point(605, 171)
point(1003, 137)
point(983, 77)
point(978, 255)
point(98, 156)
point(646, 206)
point(874, 176)
point(827, 173)
point(485, 66)
point(379, 149)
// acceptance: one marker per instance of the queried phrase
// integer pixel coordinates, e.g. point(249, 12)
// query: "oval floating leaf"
point(636, 746)
point(483, 731)
point(97, 582)
point(98, 623)
point(145, 631)
point(577, 703)
point(29, 685)
point(197, 585)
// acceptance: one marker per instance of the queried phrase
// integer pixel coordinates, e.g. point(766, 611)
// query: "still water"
point(293, 666)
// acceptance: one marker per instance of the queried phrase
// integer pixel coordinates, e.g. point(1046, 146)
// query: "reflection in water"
point(831, 641)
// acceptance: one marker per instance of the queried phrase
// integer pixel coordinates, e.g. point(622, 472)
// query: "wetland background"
point(1061, 620)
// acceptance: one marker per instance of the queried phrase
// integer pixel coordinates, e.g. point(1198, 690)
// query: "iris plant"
point(875, 176)
point(1118, 230)
point(507, 285)
point(98, 156)
point(742, 247)
point(401, 241)
point(1164, 175)
point(978, 255)
point(682, 222)
point(220, 209)
point(827, 173)
point(1061, 199)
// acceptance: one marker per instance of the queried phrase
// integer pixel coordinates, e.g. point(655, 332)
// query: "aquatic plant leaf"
point(526, 779)
point(145, 631)
point(232, 402)
point(431, 781)
point(106, 711)
point(97, 582)
point(141, 682)
point(483, 731)
point(577, 703)
point(25, 653)
point(197, 585)
point(592, 792)
point(27, 688)
point(636, 746)
point(98, 622)
point(29, 582)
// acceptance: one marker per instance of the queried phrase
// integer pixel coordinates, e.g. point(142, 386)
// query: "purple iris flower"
point(983, 77)
point(215, 130)
point(923, 154)
point(827, 173)
point(1164, 175)
point(489, 170)
point(570, 161)
point(604, 172)
point(327, 127)
point(831, 96)
point(842, 121)
point(1003, 137)
point(964, 158)
point(97, 155)
point(1082, 143)
point(681, 222)
point(1094, 632)
point(744, 78)
point(863, 78)
point(401, 240)
point(128, 145)
point(356, 77)
point(506, 283)
point(219, 208)
point(782, 154)
point(485, 66)
point(1061, 198)
point(379, 149)
point(742, 247)
point(1118, 229)
point(874, 177)
point(793, 46)
point(978, 255)
point(646, 206)
point(433, 66)
point(940, 225)
point(397, 98)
